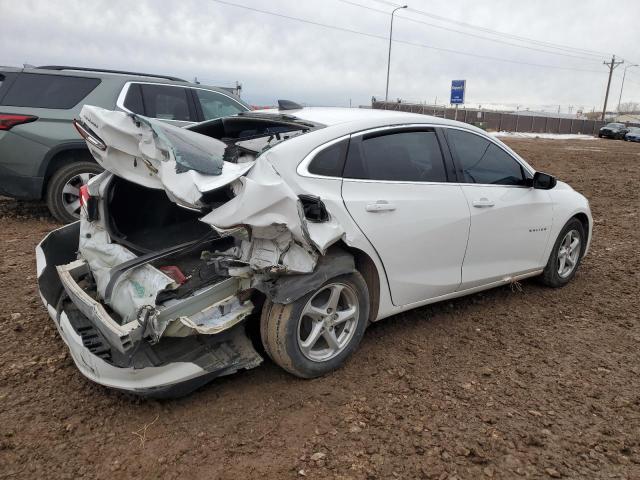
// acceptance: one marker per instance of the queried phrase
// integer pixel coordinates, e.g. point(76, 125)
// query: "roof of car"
point(337, 115)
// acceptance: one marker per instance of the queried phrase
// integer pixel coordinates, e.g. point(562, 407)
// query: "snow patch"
point(552, 136)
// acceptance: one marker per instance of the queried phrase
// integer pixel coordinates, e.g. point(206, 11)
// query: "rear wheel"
point(318, 332)
point(566, 255)
point(63, 189)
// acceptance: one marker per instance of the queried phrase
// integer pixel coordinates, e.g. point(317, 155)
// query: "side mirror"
point(543, 181)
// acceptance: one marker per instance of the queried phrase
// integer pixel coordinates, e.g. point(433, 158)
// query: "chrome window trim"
point(303, 167)
point(127, 85)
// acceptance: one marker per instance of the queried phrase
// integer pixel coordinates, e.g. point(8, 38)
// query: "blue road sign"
point(457, 91)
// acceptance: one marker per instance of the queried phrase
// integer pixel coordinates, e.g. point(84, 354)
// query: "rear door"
point(396, 189)
point(510, 220)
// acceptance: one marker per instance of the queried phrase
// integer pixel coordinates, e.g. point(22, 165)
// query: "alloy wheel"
point(71, 192)
point(328, 322)
point(568, 253)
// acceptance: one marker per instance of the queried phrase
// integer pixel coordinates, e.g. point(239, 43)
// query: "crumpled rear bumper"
point(170, 368)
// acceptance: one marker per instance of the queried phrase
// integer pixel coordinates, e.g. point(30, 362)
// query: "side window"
point(133, 100)
point(484, 162)
point(166, 102)
point(404, 156)
point(216, 105)
point(330, 161)
point(48, 91)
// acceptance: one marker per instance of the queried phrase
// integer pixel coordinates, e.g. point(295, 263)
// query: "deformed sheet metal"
point(159, 155)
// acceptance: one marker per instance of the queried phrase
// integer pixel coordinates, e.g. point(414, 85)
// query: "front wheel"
point(318, 332)
point(566, 255)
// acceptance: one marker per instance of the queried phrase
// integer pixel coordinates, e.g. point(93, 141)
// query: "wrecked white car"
point(302, 224)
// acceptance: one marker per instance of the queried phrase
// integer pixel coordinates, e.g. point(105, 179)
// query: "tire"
point(62, 187)
point(551, 276)
point(284, 328)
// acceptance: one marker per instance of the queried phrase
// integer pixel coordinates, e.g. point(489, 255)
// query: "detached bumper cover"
point(170, 368)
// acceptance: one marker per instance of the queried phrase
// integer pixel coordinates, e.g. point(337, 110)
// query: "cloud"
point(279, 58)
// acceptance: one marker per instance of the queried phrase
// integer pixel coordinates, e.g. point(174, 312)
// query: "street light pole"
point(386, 95)
point(622, 86)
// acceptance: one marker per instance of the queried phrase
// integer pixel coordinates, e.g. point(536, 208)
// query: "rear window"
point(48, 91)
point(330, 161)
point(410, 156)
point(166, 102)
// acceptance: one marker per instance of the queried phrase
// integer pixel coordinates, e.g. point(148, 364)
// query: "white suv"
point(317, 220)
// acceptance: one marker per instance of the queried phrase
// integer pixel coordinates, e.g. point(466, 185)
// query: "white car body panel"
point(429, 219)
point(509, 231)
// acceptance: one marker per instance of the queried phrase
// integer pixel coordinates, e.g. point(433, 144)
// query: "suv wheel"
point(63, 190)
point(318, 332)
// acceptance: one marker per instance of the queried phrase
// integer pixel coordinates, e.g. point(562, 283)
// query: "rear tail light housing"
point(88, 134)
point(88, 203)
point(84, 195)
point(10, 120)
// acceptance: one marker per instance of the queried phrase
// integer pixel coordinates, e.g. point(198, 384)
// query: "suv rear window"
point(48, 91)
point(167, 102)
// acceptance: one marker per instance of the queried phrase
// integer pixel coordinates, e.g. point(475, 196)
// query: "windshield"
point(634, 130)
point(615, 125)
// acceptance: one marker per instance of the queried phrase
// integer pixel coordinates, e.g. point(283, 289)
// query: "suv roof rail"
point(121, 72)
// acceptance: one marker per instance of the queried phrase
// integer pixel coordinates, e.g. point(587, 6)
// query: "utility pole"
point(612, 64)
point(622, 86)
point(386, 95)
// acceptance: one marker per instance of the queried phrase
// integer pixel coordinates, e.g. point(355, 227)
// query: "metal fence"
point(500, 121)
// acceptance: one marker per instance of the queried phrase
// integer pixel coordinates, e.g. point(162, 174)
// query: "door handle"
point(483, 203)
point(380, 206)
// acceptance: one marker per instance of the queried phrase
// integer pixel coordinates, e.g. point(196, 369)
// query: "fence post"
point(517, 117)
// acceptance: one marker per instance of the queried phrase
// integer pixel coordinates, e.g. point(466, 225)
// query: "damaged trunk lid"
point(158, 155)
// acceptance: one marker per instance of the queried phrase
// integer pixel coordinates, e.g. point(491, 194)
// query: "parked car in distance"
point(613, 130)
point(41, 154)
point(633, 134)
point(318, 221)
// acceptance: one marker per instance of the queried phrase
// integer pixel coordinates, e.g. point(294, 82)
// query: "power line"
point(592, 59)
point(558, 46)
point(405, 42)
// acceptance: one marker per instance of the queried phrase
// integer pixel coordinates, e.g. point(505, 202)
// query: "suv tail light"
point(9, 120)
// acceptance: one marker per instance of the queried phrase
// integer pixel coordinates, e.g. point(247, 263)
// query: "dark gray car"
point(41, 154)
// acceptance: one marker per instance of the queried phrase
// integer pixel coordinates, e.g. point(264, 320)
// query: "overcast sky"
point(275, 57)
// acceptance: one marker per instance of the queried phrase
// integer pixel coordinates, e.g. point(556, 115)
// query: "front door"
point(395, 188)
point(510, 221)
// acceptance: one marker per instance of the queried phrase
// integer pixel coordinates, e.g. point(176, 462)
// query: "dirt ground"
point(509, 383)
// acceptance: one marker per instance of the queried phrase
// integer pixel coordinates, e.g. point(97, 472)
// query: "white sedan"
point(305, 224)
